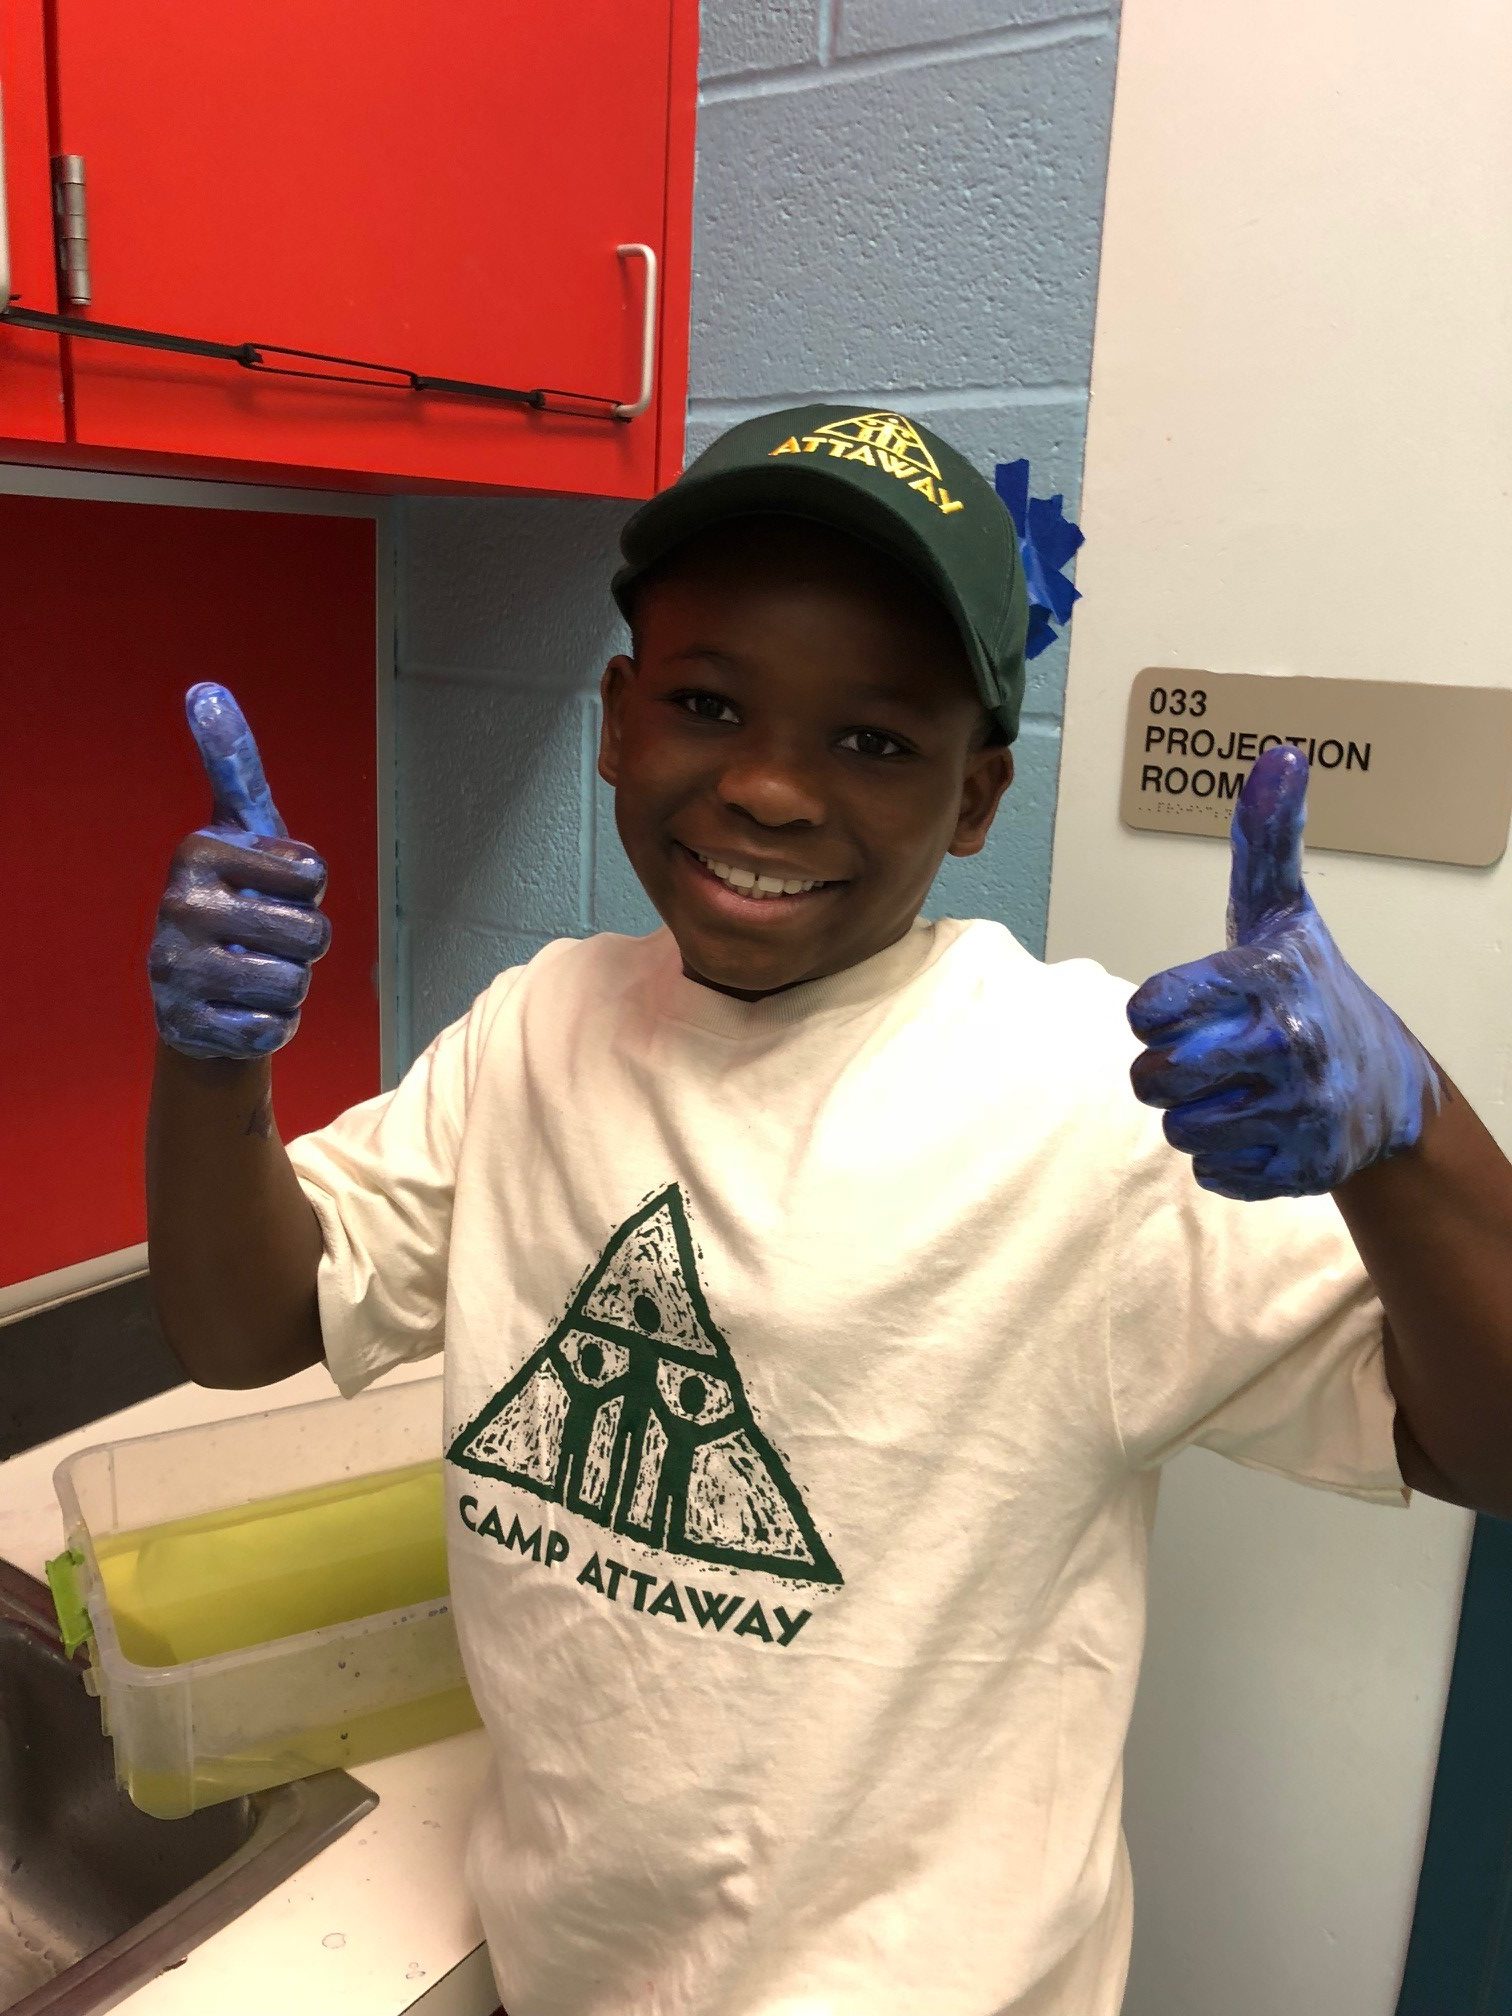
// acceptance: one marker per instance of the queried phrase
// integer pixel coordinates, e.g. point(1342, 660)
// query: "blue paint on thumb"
point(1265, 876)
point(232, 764)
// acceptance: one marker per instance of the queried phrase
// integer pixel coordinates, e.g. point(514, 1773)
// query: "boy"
point(818, 1304)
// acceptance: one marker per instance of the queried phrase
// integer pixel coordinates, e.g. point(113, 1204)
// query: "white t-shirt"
point(808, 1366)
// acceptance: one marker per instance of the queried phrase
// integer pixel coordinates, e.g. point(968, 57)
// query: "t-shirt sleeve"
point(381, 1178)
point(1248, 1328)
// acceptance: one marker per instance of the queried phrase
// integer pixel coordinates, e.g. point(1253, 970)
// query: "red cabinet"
point(440, 189)
point(31, 373)
point(111, 612)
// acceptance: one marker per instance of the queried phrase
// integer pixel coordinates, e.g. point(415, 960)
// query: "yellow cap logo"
point(882, 441)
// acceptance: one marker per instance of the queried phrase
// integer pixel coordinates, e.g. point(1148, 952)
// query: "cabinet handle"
point(648, 333)
point(5, 263)
point(281, 359)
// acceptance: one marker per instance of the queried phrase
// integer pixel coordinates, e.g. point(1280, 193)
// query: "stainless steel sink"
point(95, 1897)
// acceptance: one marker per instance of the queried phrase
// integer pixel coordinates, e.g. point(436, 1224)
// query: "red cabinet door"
point(438, 188)
point(111, 612)
point(31, 383)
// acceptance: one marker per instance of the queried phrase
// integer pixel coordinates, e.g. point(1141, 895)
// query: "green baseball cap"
point(884, 479)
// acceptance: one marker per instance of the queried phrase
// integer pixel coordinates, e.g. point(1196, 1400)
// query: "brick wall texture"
point(897, 204)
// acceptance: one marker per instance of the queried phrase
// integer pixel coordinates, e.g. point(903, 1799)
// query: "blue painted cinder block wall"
point(898, 203)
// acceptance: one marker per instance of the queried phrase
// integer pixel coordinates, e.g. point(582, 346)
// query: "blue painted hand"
point(1280, 1071)
point(238, 928)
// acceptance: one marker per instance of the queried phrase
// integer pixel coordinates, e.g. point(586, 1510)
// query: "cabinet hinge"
point(71, 228)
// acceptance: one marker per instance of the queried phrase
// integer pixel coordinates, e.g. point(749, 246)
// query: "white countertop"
point(380, 1921)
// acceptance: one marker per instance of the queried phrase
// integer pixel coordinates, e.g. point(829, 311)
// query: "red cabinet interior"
point(111, 611)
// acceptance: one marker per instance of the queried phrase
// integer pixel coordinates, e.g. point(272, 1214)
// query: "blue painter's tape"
point(1047, 541)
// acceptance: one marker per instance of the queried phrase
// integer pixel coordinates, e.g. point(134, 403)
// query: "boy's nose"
point(773, 790)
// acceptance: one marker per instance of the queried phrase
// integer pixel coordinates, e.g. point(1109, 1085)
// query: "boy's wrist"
point(221, 1093)
point(231, 1075)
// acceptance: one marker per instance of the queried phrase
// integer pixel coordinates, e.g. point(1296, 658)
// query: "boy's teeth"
point(756, 885)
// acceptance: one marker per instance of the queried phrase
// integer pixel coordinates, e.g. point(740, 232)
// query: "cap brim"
point(792, 488)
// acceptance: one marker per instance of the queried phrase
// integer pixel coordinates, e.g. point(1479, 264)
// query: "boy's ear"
point(617, 674)
point(989, 772)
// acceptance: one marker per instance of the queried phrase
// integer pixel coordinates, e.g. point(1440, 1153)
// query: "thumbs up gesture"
point(1280, 1072)
point(238, 928)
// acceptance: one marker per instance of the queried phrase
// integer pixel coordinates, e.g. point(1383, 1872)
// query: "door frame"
point(1459, 1955)
point(43, 1291)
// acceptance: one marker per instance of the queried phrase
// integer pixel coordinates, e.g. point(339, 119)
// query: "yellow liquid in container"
point(248, 1574)
point(272, 1569)
point(169, 1795)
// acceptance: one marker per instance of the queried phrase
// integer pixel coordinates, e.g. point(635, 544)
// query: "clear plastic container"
point(265, 1597)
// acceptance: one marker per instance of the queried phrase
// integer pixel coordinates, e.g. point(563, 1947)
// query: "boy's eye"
point(705, 706)
point(873, 742)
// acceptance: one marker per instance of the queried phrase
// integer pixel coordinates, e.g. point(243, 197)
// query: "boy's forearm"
point(1434, 1228)
point(234, 1245)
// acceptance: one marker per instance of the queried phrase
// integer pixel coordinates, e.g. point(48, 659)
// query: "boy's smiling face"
point(797, 708)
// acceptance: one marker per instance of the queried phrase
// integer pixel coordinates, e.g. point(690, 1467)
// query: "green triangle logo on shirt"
point(633, 1414)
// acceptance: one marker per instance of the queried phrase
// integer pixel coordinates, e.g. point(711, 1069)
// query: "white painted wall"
point(1297, 462)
